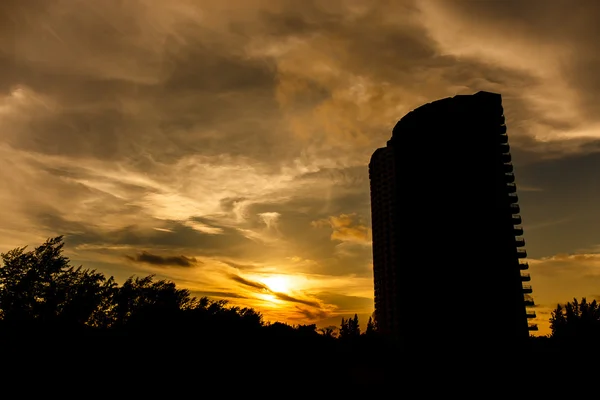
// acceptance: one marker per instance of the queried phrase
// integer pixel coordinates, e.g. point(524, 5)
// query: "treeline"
point(54, 314)
point(41, 293)
point(64, 321)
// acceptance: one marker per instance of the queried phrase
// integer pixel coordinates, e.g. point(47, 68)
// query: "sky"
point(224, 144)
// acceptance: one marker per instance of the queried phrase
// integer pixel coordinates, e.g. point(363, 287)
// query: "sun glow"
point(270, 298)
point(278, 283)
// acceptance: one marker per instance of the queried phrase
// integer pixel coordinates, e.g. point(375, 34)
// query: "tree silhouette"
point(82, 297)
point(354, 326)
point(349, 328)
point(42, 294)
point(145, 303)
point(344, 330)
point(576, 320)
point(370, 327)
point(40, 287)
point(331, 332)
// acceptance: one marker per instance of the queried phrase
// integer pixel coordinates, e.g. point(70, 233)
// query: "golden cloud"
point(346, 228)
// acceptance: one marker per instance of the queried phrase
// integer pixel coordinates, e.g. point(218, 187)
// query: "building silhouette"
point(448, 255)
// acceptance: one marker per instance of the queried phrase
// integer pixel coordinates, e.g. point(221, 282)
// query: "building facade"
point(448, 250)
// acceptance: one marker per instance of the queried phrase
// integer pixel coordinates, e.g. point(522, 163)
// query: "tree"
point(350, 328)
point(354, 326)
point(370, 327)
point(329, 331)
point(141, 302)
point(344, 333)
point(40, 287)
point(84, 298)
point(558, 321)
point(307, 330)
point(576, 320)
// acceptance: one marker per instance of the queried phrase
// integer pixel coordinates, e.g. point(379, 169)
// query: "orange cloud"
point(346, 228)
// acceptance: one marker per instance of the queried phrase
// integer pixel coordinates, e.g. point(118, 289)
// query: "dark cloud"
point(154, 259)
point(313, 315)
point(239, 265)
point(250, 283)
point(194, 68)
point(178, 236)
point(292, 299)
point(117, 90)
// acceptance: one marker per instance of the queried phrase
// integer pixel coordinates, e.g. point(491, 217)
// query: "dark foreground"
point(222, 367)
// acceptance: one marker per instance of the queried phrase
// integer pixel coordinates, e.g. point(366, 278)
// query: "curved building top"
point(482, 99)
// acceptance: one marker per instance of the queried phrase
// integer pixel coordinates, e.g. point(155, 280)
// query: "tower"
point(447, 245)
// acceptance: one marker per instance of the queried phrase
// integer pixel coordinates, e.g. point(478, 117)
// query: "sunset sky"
point(224, 144)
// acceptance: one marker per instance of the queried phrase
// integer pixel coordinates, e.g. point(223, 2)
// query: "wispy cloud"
point(546, 224)
point(278, 295)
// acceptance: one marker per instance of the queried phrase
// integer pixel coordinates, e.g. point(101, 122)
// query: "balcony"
point(521, 253)
point(513, 198)
point(511, 187)
point(518, 230)
point(502, 129)
point(523, 266)
point(527, 289)
point(516, 219)
point(530, 314)
point(532, 327)
point(529, 301)
point(509, 177)
point(525, 277)
point(506, 157)
point(508, 167)
point(504, 147)
point(503, 138)
point(519, 241)
point(514, 208)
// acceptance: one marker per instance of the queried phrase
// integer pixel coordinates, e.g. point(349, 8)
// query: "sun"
point(277, 283)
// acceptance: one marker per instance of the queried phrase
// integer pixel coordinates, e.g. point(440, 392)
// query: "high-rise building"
point(448, 253)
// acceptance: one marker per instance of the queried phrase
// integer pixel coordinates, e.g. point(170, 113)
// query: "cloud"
point(278, 295)
point(286, 297)
point(552, 108)
point(345, 303)
point(250, 283)
point(270, 219)
point(218, 294)
point(313, 315)
point(201, 227)
point(154, 259)
point(163, 230)
point(346, 228)
point(577, 265)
